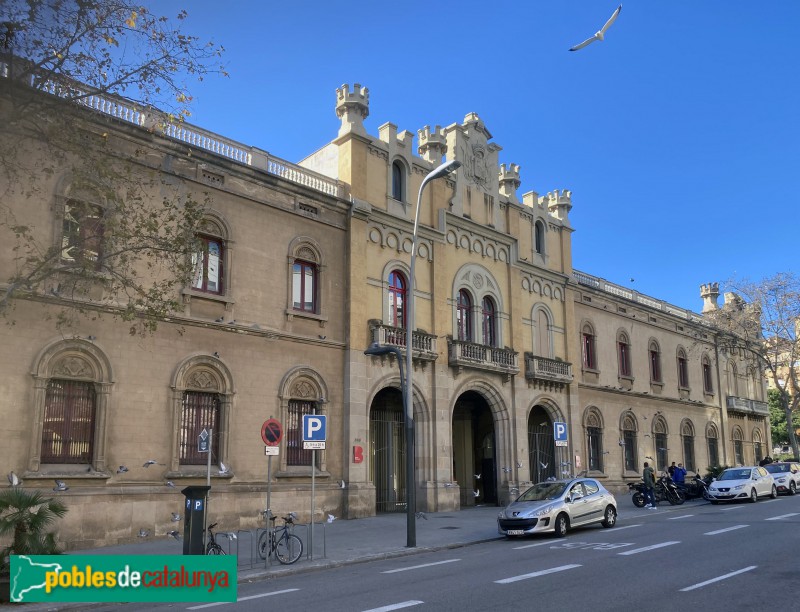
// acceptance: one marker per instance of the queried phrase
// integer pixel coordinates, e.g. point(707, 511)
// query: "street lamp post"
point(407, 385)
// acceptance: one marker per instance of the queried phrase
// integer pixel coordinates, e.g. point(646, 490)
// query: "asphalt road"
point(725, 557)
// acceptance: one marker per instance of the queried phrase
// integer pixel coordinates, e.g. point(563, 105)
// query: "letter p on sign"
point(314, 428)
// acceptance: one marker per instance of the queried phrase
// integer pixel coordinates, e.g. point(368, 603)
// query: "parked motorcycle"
point(665, 489)
point(696, 488)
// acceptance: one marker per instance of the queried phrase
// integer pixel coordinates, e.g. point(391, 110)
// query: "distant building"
point(306, 265)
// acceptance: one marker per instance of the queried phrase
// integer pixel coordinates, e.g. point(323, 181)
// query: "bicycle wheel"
point(215, 549)
point(289, 548)
point(263, 544)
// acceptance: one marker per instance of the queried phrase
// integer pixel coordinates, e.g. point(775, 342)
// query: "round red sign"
point(271, 432)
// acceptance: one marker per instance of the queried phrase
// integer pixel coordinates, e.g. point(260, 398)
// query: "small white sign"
point(270, 450)
point(561, 442)
point(313, 445)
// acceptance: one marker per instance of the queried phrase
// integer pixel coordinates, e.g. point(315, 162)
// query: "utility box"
point(194, 520)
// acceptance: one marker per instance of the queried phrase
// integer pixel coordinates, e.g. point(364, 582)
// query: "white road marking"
point(713, 580)
point(735, 527)
point(682, 516)
point(405, 569)
point(259, 596)
point(397, 606)
point(552, 570)
point(625, 527)
point(646, 548)
point(729, 508)
point(531, 545)
point(782, 516)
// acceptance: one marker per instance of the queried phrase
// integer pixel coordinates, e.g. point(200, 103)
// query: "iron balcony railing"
point(746, 406)
point(545, 369)
point(424, 344)
point(463, 354)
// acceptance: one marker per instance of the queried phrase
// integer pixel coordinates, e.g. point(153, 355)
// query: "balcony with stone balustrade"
point(463, 354)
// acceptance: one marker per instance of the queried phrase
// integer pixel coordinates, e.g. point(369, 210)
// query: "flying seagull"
point(149, 462)
point(602, 33)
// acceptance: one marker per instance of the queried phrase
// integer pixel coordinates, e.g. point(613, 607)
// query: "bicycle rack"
point(309, 543)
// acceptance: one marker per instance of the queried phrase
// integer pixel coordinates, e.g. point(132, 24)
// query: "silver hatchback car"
point(557, 506)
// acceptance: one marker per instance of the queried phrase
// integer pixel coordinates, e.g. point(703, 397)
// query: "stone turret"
point(559, 203)
point(352, 108)
point(432, 144)
point(509, 181)
point(710, 293)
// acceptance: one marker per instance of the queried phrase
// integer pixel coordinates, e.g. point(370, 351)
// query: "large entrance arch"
point(541, 445)
point(388, 451)
point(474, 443)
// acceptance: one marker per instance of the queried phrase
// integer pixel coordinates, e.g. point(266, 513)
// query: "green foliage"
point(715, 470)
point(777, 417)
point(26, 516)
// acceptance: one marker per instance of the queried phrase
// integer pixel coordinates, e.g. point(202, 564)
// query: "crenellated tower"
point(710, 294)
point(432, 144)
point(352, 107)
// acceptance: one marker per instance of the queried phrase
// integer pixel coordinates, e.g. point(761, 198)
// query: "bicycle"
point(212, 548)
point(286, 546)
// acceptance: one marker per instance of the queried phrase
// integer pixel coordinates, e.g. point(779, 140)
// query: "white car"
point(742, 483)
point(786, 475)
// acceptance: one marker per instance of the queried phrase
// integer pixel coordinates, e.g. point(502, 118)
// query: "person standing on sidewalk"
point(649, 486)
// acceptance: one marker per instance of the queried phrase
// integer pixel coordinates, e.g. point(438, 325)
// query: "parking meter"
point(194, 519)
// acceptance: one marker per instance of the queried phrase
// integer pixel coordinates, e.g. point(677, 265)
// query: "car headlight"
point(738, 487)
point(543, 511)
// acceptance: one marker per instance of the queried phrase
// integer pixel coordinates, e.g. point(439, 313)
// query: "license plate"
point(515, 532)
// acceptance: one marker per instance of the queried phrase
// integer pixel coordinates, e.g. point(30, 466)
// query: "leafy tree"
point(777, 417)
point(762, 318)
point(74, 75)
point(26, 516)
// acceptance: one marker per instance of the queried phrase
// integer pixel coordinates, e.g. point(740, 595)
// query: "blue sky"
point(678, 135)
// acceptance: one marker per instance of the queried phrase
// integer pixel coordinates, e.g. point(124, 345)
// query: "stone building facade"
point(509, 341)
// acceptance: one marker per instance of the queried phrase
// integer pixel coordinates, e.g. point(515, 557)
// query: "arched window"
point(687, 435)
point(758, 447)
point(83, 234)
point(200, 411)
point(733, 379)
point(398, 182)
point(594, 440)
point(629, 440)
point(655, 362)
point(538, 237)
point(708, 382)
point(302, 392)
point(543, 333)
point(624, 355)
point(306, 268)
point(589, 348)
point(683, 369)
point(464, 316)
point(69, 421)
point(489, 317)
point(209, 260)
point(738, 446)
point(660, 439)
point(397, 299)
point(713, 445)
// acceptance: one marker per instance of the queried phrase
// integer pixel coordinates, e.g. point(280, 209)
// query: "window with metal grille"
point(295, 453)
point(655, 363)
point(662, 452)
point(688, 452)
point(713, 451)
point(629, 438)
point(69, 420)
point(200, 411)
point(489, 322)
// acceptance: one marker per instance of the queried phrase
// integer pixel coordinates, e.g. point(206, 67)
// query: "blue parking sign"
point(560, 434)
point(315, 428)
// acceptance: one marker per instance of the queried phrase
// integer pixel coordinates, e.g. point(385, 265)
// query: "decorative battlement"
point(710, 293)
point(559, 203)
point(352, 108)
point(432, 144)
point(509, 181)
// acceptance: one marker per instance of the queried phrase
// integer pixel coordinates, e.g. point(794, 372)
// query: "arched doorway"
point(541, 446)
point(474, 458)
point(388, 451)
